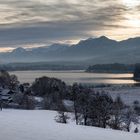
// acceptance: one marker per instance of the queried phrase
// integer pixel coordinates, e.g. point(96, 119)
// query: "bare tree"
point(117, 114)
point(75, 93)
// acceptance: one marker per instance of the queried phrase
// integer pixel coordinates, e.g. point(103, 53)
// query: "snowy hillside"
point(40, 125)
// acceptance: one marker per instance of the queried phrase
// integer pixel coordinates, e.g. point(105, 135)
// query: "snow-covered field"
point(128, 94)
point(40, 125)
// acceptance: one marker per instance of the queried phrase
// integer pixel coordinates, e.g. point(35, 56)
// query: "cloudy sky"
point(32, 23)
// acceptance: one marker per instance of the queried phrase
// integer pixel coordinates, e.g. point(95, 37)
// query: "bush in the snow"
point(136, 130)
point(62, 117)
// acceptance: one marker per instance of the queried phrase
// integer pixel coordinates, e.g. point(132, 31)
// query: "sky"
point(34, 23)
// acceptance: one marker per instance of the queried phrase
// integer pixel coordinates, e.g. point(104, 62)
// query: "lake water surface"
point(76, 76)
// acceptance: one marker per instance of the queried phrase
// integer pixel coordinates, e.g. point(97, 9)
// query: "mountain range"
point(100, 50)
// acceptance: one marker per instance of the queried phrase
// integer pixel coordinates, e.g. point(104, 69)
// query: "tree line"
point(112, 68)
point(90, 108)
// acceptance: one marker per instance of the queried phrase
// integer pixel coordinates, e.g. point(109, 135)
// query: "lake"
point(76, 76)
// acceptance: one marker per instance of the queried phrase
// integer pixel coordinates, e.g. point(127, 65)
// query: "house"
point(6, 95)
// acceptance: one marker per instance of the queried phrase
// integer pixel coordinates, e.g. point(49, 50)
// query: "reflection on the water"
point(77, 76)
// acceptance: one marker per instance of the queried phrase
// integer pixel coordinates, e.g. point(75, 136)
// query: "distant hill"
point(100, 50)
point(111, 68)
point(42, 66)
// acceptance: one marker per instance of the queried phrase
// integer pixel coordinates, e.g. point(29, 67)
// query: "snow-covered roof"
point(5, 98)
point(7, 92)
point(4, 91)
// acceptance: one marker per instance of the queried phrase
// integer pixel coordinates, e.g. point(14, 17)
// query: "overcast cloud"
point(28, 22)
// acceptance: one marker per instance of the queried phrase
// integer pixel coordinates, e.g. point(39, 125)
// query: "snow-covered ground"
point(128, 94)
point(40, 125)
